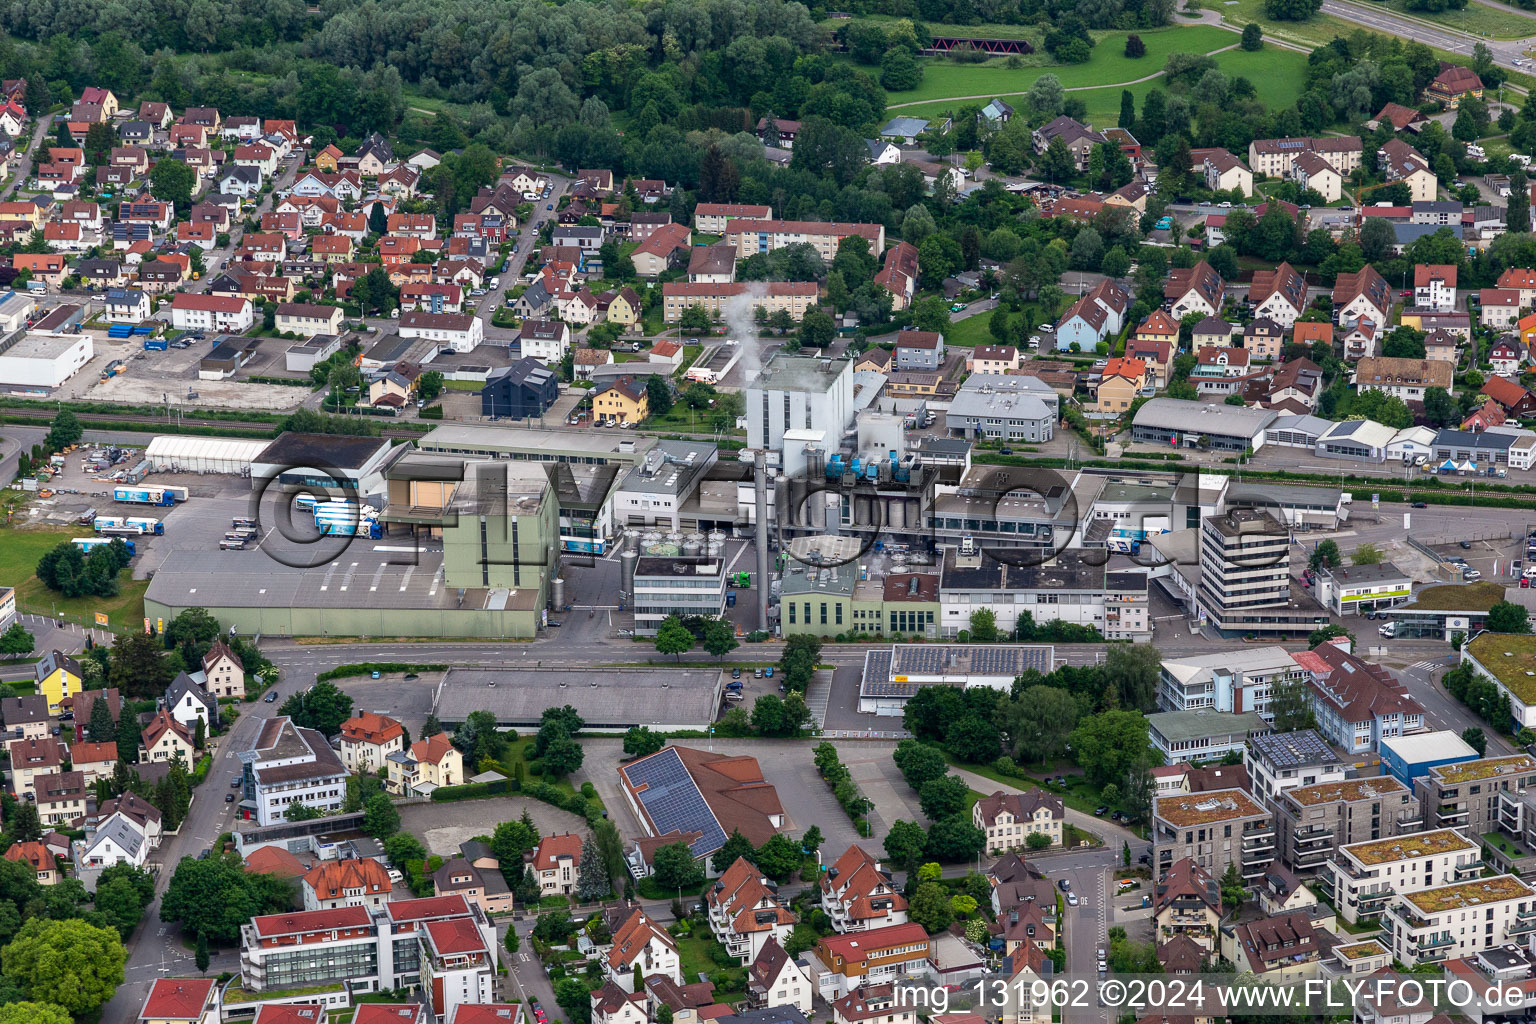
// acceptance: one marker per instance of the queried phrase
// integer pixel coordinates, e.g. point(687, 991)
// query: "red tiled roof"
point(177, 998)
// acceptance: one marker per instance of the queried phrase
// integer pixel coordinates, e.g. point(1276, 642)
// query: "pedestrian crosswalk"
point(1424, 666)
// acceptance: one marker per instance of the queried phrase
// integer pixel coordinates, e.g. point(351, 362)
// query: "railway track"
point(157, 424)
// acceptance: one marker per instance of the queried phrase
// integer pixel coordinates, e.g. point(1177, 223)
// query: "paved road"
point(527, 242)
point(1505, 51)
point(155, 948)
point(24, 169)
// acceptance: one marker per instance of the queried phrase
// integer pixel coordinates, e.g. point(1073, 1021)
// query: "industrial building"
point(325, 462)
point(1004, 407)
point(176, 453)
point(1186, 424)
point(681, 586)
point(799, 392)
point(42, 361)
point(891, 677)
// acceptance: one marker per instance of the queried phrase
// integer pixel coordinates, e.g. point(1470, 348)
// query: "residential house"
point(992, 359)
point(57, 676)
point(1094, 317)
point(1078, 138)
point(165, 739)
point(1498, 308)
point(308, 319)
point(858, 895)
point(639, 941)
point(37, 857)
point(898, 274)
point(346, 882)
point(1010, 819)
point(1407, 379)
point(545, 340)
point(620, 400)
point(223, 671)
point(25, 717)
point(458, 331)
point(1263, 338)
point(664, 249)
point(1119, 383)
point(523, 390)
point(1399, 161)
point(1515, 399)
point(1452, 83)
point(61, 798)
point(1198, 289)
point(1221, 171)
point(1434, 287)
point(1313, 171)
point(1506, 357)
point(1279, 295)
point(428, 764)
point(919, 350)
point(31, 759)
point(1441, 346)
point(843, 963)
point(556, 863)
point(1284, 949)
point(117, 839)
point(224, 314)
point(1212, 332)
point(1274, 157)
point(94, 760)
point(745, 911)
point(774, 979)
point(1186, 903)
point(586, 361)
point(188, 702)
point(1362, 295)
point(367, 740)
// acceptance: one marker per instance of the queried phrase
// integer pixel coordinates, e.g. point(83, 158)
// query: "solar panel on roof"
point(673, 801)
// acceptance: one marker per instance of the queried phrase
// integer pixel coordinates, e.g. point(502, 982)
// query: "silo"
point(557, 593)
point(693, 545)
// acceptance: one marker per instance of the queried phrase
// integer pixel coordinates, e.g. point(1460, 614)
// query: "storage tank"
point(693, 545)
point(627, 559)
point(650, 543)
point(716, 543)
point(557, 593)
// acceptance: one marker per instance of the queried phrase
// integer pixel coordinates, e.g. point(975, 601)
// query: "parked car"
point(1065, 884)
point(735, 673)
point(1420, 504)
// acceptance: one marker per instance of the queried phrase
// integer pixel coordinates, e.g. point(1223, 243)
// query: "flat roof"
point(1511, 659)
point(1429, 746)
point(472, 439)
point(1346, 791)
point(1187, 809)
point(1294, 749)
point(1183, 726)
point(1364, 575)
point(613, 699)
point(1189, 417)
point(1416, 844)
point(322, 451)
point(1455, 597)
point(1362, 950)
point(1468, 894)
point(372, 575)
point(1484, 768)
point(799, 373)
point(42, 346)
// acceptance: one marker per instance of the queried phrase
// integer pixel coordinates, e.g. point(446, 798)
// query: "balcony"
point(1462, 872)
point(1431, 942)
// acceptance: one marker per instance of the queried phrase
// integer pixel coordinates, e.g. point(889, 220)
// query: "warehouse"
point(42, 361)
point(663, 699)
point(355, 465)
point(1185, 424)
point(227, 455)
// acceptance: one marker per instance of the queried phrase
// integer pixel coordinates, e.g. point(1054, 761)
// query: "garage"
point(175, 454)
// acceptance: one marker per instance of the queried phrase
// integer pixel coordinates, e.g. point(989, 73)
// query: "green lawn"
point(19, 553)
point(1501, 842)
point(971, 331)
point(1279, 73)
point(1108, 66)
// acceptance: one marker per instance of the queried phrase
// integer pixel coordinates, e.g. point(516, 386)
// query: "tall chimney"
point(760, 485)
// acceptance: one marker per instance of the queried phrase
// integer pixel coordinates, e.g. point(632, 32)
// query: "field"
point(1100, 81)
point(19, 552)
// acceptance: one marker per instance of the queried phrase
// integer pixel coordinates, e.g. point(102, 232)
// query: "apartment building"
point(1186, 902)
point(745, 911)
point(1281, 761)
point(1009, 819)
point(1274, 157)
point(365, 950)
point(1213, 829)
point(1311, 822)
point(368, 739)
point(1469, 795)
point(458, 964)
point(640, 942)
point(762, 236)
point(841, 963)
point(1453, 921)
point(1361, 878)
point(346, 882)
point(795, 297)
point(857, 894)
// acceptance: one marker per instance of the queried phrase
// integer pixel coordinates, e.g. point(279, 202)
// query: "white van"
point(1389, 630)
point(1530, 572)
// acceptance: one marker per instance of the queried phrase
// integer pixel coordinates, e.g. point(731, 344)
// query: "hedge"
point(543, 792)
point(369, 667)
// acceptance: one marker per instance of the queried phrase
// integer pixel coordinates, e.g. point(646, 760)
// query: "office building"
point(1236, 681)
point(1245, 584)
point(682, 586)
point(288, 764)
